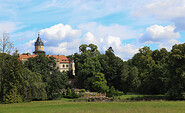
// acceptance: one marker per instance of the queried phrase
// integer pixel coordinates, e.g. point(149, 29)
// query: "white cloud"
point(125, 51)
point(168, 44)
point(124, 32)
point(165, 36)
point(157, 33)
point(27, 47)
point(62, 39)
point(59, 33)
point(90, 38)
point(9, 27)
point(163, 9)
point(168, 10)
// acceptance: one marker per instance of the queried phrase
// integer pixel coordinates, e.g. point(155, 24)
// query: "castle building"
point(62, 62)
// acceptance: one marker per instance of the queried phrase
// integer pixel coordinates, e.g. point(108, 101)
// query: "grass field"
point(140, 97)
point(63, 106)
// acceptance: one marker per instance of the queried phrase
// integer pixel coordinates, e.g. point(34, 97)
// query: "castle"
point(62, 62)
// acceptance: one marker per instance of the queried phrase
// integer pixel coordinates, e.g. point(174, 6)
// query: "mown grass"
point(140, 97)
point(64, 106)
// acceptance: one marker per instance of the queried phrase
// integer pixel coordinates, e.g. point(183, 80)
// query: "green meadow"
point(65, 106)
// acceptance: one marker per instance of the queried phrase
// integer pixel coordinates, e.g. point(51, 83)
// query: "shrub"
point(82, 90)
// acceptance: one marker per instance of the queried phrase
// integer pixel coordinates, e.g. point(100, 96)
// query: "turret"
point(39, 46)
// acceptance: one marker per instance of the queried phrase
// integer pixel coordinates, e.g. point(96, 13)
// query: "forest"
point(147, 72)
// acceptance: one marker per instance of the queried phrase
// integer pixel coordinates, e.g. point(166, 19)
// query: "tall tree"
point(5, 47)
point(11, 84)
point(176, 78)
point(86, 63)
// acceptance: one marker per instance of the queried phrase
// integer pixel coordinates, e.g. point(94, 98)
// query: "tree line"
point(147, 72)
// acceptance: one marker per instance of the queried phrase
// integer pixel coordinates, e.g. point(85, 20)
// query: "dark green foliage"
point(33, 88)
point(86, 64)
point(176, 77)
point(57, 81)
point(41, 64)
point(70, 93)
point(11, 83)
point(99, 83)
point(51, 76)
point(112, 92)
point(151, 67)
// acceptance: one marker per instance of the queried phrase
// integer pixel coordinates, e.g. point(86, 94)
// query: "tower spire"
point(39, 45)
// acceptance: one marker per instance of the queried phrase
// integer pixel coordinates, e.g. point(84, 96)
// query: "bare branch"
point(5, 45)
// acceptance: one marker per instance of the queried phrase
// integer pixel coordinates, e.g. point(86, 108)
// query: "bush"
point(82, 90)
point(71, 94)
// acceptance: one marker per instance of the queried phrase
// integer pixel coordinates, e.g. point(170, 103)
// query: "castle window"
point(63, 65)
point(65, 60)
point(67, 65)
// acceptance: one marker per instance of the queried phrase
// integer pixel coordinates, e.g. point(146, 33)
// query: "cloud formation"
point(59, 33)
point(124, 32)
point(157, 33)
point(164, 10)
point(63, 39)
point(165, 36)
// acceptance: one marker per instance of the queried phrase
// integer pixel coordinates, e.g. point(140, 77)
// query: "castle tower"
point(39, 46)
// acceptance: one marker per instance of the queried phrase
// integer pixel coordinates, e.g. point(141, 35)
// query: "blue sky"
point(66, 24)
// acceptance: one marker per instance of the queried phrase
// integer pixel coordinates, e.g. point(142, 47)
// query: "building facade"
point(62, 62)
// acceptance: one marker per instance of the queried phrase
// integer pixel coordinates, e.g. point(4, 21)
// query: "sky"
point(125, 25)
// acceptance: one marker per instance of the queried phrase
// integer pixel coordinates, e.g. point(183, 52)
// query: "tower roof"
point(39, 42)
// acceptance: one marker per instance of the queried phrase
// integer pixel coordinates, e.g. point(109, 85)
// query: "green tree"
point(11, 83)
point(176, 78)
point(99, 83)
point(86, 64)
point(113, 68)
point(57, 82)
point(51, 76)
point(32, 87)
point(6, 47)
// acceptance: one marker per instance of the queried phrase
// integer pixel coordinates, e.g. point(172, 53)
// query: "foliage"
point(32, 87)
point(82, 90)
point(11, 83)
point(176, 78)
point(99, 83)
point(51, 76)
point(70, 93)
point(86, 64)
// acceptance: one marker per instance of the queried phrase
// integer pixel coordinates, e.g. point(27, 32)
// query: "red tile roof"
point(26, 56)
point(63, 59)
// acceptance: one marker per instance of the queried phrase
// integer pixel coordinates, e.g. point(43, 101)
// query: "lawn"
point(63, 106)
point(140, 97)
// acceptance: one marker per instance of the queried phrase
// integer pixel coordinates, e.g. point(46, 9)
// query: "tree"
point(113, 68)
point(57, 82)
point(32, 86)
point(124, 79)
point(11, 83)
point(51, 76)
point(86, 64)
point(176, 78)
point(99, 83)
point(5, 47)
